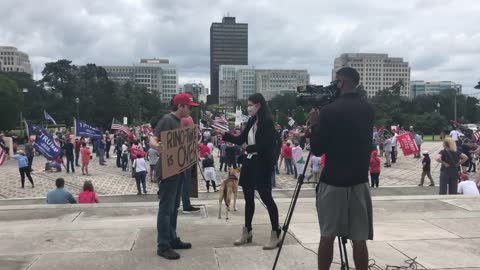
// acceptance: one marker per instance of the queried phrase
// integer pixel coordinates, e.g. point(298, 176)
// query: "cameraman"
point(343, 131)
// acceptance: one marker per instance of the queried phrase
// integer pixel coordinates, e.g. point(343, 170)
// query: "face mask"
point(252, 110)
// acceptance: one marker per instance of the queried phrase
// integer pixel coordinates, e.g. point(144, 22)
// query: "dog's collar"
point(232, 176)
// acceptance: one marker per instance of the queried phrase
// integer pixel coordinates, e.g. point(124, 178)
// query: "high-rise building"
point(13, 60)
point(377, 71)
point(228, 46)
point(241, 81)
point(154, 74)
point(198, 91)
point(421, 88)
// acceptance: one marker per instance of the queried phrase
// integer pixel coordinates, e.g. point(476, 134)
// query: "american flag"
point(245, 118)
point(118, 125)
point(476, 135)
point(220, 125)
point(3, 156)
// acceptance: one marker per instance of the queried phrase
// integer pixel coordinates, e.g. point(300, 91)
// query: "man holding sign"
point(169, 186)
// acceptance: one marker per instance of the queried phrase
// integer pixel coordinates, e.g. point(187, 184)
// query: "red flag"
point(407, 143)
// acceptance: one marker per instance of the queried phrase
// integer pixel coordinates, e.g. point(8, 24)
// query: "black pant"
point(394, 154)
point(374, 178)
point(107, 150)
point(119, 156)
point(231, 162)
point(124, 162)
point(472, 165)
point(25, 171)
point(77, 156)
point(448, 181)
point(140, 179)
point(70, 164)
point(214, 185)
point(223, 163)
point(267, 199)
point(30, 162)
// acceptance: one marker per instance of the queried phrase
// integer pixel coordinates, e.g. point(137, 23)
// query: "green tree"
point(299, 116)
point(11, 103)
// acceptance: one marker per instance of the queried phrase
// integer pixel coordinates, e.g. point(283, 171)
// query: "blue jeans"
point(186, 188)
point(140, 179)
point(169, 191)
point(289, 166)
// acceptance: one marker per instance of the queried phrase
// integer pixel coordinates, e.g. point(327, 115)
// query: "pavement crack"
point(216, 258)
point(34, 261)
point(135, 240)
point(79, 213)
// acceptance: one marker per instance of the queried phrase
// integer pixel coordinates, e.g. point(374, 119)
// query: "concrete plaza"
point(441, 232)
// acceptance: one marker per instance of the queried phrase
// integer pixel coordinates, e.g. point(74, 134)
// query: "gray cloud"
point(438, 38)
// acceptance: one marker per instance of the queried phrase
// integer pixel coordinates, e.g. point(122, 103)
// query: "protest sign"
point(407, 143)
point(179, 150)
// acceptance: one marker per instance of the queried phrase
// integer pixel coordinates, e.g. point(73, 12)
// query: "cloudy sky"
point(439, 38)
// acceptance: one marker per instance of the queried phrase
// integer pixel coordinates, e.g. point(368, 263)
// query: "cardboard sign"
point(407, 143)
point(179, 150)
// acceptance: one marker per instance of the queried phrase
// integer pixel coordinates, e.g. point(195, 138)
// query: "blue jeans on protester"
point(169, 191)
point(186, 188)
point(124, 161)
point(140, 179)
point(289, 165)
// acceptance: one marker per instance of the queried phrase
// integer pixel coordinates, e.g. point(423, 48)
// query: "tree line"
point(101, 99)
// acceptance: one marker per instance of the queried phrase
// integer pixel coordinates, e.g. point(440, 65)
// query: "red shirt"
point(87, 197)
point(374, 164)
point(204, 149)
point(287, 153)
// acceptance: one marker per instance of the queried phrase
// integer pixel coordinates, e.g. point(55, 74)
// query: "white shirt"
point(251, 135)
point(140, 165)
point(210, 145)
point(394, 140)
point(468, 187)
point(454, 135)
point(124, 149)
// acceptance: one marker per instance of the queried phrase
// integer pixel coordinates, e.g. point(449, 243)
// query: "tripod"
point(296, 193)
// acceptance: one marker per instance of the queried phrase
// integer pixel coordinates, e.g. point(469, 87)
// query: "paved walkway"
point(111, 180)
point(438, 232)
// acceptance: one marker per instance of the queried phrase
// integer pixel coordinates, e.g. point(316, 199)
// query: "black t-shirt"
point(208, 162)
point(68, 149)
point(452, 158)
point(344, 134)
point(230, 151)
point(426, 163)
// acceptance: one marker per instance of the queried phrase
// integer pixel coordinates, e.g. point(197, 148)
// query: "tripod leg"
point(344, 243)
point(342, 263)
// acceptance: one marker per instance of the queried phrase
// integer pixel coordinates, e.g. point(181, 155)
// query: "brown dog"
point(228, 188)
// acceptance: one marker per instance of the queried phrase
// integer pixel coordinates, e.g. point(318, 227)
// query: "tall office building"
point(228, 46)
point(13, 60)
point(154, 74)
point(240, 81)
point(377, 71)
point(421, 88)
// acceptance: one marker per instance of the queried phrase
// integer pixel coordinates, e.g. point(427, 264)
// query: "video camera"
point(317, 95)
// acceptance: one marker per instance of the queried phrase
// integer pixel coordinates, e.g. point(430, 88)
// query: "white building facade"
point(13, 60)
point(154, 74)
point(377, 71)
point(240, 81)
point(421, 88)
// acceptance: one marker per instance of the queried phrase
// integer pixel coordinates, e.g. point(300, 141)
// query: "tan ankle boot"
point(245, 238)
point(274, 241)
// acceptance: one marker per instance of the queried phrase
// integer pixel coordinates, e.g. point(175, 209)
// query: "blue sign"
point(44, 142)
point(85, 130)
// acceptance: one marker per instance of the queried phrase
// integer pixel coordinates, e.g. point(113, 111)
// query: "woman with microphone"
point(257, 139)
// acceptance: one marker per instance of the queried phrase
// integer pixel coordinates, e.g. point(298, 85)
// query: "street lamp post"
point(24, 91)
point(77, 101)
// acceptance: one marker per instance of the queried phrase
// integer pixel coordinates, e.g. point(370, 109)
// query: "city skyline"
point(95, 32)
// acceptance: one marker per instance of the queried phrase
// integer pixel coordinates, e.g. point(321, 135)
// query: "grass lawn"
point(428, 138)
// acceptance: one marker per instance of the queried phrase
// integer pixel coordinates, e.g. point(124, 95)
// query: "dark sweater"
point(344, 134)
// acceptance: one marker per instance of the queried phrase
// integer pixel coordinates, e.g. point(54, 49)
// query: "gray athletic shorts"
point(345, 211)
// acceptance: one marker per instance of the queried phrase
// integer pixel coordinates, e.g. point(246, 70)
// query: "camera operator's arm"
point(319, 135)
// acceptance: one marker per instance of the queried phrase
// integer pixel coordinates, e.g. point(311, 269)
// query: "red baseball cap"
point(184, 99)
